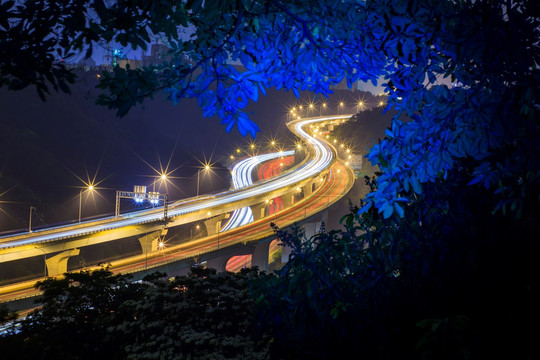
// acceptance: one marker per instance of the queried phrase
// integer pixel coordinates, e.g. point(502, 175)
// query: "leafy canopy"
point(489, 49)
point(89, 315)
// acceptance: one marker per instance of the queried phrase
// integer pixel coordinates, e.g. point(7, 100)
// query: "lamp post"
point(196, 227)
point(206, 168)
point(162, 177)
point(30, 219)
point(146, 251)
point(89, 188)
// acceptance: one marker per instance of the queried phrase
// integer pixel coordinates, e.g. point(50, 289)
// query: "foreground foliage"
point(458, 284)
point(99, 315)
point(438, 262)
point(488, 49)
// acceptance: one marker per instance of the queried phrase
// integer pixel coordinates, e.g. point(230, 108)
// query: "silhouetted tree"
point(86, 315)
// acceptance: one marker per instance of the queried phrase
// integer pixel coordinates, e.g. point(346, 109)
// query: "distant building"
point(87, 63)
point(158, 54)
point(133, 63)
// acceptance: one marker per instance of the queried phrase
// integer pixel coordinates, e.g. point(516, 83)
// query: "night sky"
point(47, 148)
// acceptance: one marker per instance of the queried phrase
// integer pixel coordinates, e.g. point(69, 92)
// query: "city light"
point(89, 189)
point(321, 159)
point(206, 168)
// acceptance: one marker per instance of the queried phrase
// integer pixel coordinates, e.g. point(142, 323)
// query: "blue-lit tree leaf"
point(387, 210)
point(398, 209)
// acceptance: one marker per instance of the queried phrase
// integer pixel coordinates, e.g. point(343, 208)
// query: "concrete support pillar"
point(314, 227)
point(307, 189)
point(258, 210)
point(285, 252)
point(150, 242)
point(288, 200)
point(213, 225)
point(260, 255)
point(310, 229)
point(219, 263)
point(57, 264)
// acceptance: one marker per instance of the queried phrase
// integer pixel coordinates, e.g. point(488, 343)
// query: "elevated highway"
point(317, 177)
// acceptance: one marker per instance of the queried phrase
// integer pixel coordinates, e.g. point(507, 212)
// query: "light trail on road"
point(322, 157)
point(333, 189)
point(338, 182)
point(242, 176)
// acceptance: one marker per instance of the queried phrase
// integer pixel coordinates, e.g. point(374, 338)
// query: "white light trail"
point(242, 177)
point(322, 158)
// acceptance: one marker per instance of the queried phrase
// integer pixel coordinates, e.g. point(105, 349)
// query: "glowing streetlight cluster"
point(321, 157)
point(206, 167)
point(307, 109)
point(252, 149)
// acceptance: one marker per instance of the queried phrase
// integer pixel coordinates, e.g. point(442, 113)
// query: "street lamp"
point(196, 227)
point(89, 188)
point(30, 219)
point(162, 177)
point(206, 168)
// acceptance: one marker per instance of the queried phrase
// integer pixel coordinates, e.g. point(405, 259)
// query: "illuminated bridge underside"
point(318, 162)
